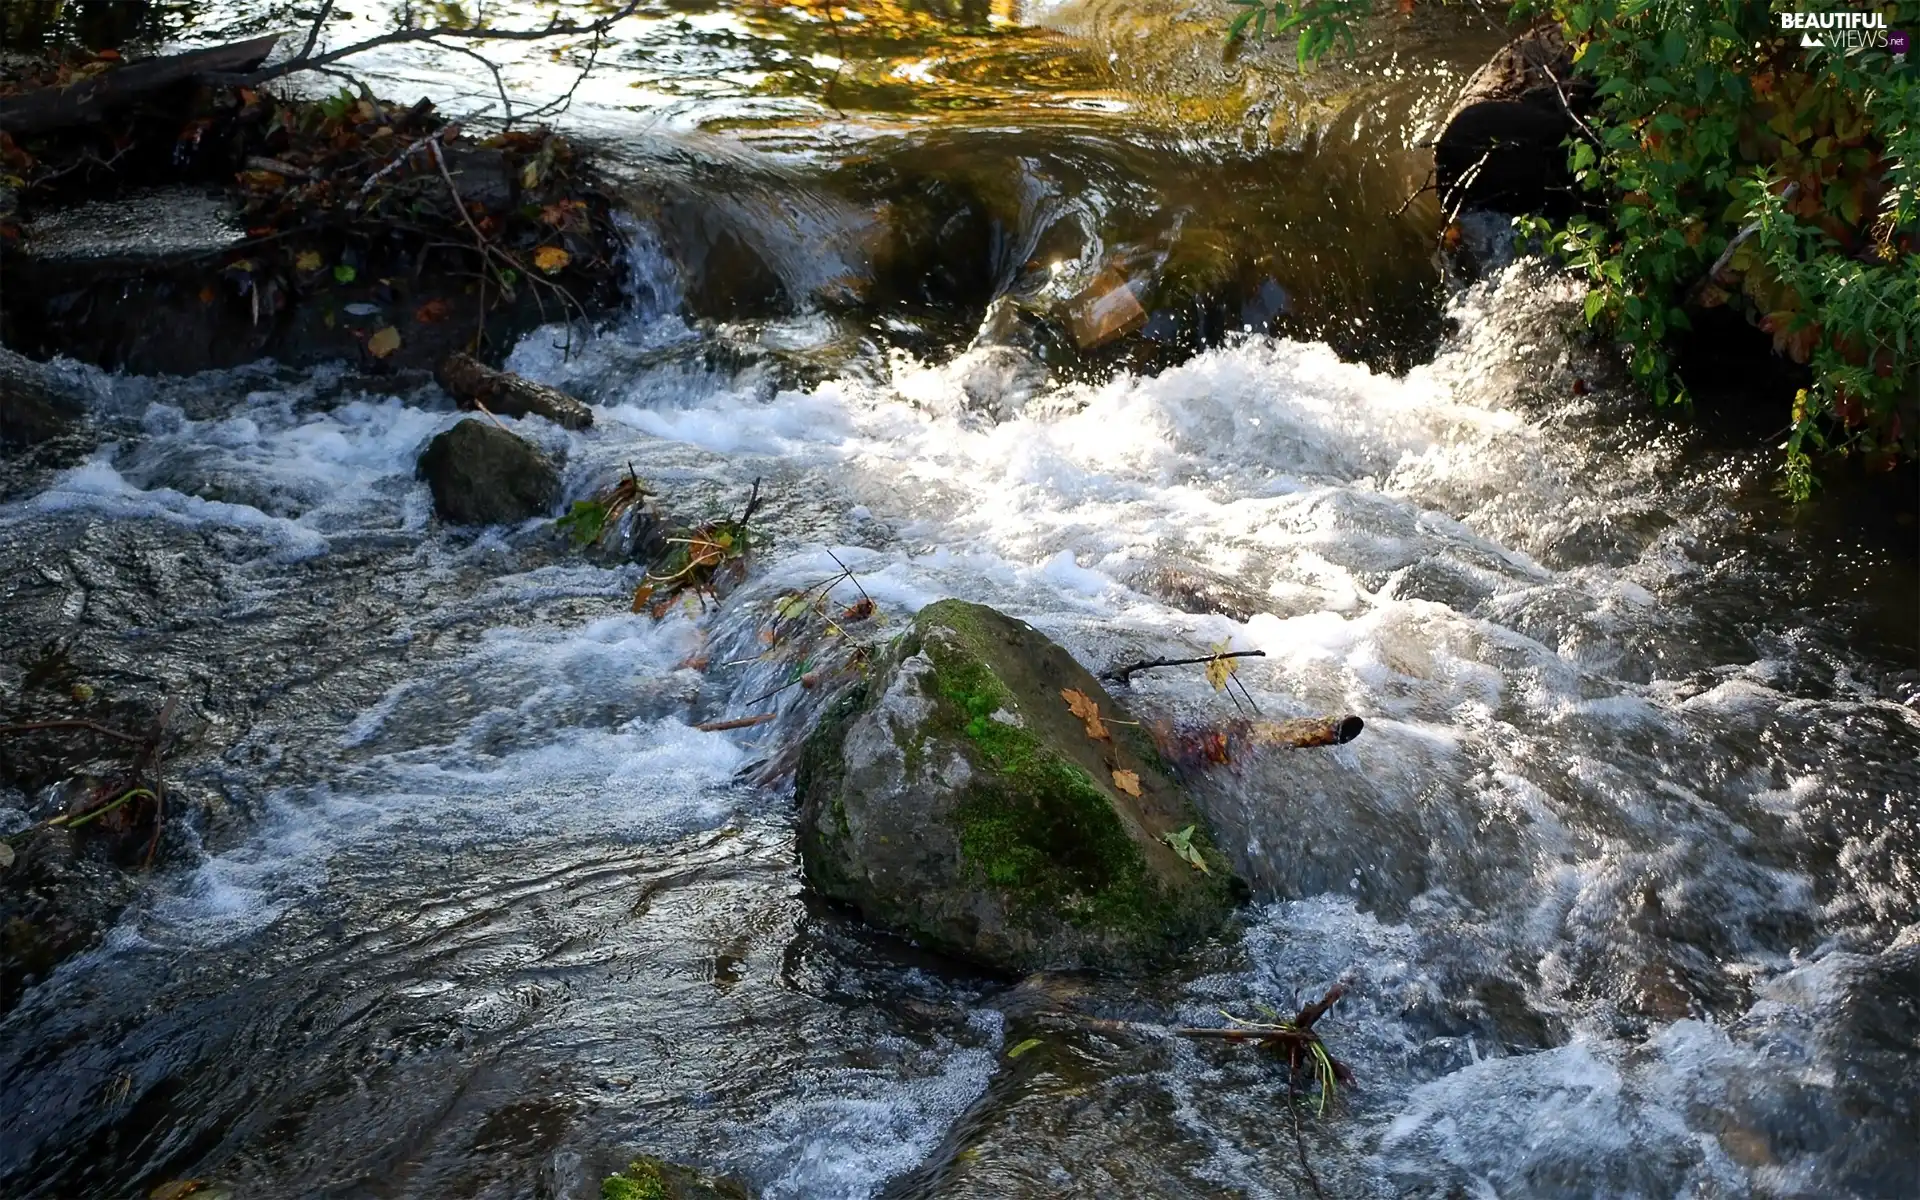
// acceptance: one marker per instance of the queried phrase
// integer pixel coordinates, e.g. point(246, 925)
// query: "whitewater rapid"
point(1564, 872)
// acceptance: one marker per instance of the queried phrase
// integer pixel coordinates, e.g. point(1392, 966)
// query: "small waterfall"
point(653, 287)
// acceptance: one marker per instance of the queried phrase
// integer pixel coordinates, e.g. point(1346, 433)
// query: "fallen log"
point(475, 385)
point(91, 99)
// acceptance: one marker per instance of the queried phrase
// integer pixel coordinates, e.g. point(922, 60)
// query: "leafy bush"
point(1715, 129)
point(1728, 165)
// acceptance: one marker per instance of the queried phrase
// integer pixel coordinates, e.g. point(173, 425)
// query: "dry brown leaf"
point(1127, 781)
point(859, 610)
point(641, 595)
point(1088, 710)
point(432, 312)
point(384, 341)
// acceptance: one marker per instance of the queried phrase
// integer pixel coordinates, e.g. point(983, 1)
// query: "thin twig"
point(560, 104)
point(1426, 185)
point(735, 723)
point(74, 723)
point(477, 403)
point(400, 159)
point(306, 60)
point(1125, 674)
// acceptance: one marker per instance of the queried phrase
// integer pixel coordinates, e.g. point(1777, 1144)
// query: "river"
point(1621, 877)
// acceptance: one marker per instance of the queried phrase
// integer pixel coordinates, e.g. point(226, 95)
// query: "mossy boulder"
point(955, 799)
point(650, 1178)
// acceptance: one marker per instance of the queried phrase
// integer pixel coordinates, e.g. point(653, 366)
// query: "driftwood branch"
point(1296, 1037)
point(47, 108)
point(1125, 674)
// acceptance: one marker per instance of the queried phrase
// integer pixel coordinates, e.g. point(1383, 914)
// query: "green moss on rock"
point(983, 817)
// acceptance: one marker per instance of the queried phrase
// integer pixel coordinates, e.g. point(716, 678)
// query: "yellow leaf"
point(384, 342)
point(1127, 781)
point(1087, 709)
point(1219, 670)
point(551, 259)
point(175, 1190)
point(308, 260)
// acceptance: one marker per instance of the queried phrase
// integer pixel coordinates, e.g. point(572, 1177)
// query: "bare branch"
point(307, 60)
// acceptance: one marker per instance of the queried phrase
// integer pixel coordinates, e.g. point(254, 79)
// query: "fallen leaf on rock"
point(6, 855)
point(1127, 781)
point(859, 610)
point(384, 342)
point(175, 1190)
point(641, 595)
point(1219, 670)
point(344, 274)
point(1023, 1047)
point(1088, 710)
point(1182, 843)
point(551, 258)
point(308, 260)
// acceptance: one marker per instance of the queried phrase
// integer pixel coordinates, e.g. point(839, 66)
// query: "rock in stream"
point(955, 799)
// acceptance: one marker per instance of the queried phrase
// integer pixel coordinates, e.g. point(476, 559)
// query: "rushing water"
point(1620, 877)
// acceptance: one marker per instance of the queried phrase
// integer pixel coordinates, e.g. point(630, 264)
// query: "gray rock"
point(482, 475)
point(35, 402)
point(953, 798)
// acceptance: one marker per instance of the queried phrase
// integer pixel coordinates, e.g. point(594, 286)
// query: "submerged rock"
point(482, 475)
point(954, 798)
point(34, 406)
point(650, 1178)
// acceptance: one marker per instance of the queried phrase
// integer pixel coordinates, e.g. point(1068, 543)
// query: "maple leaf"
point(1088, 710)
point(309, 261)
point(859, 610)
point(551, 259)
point(1220, 669)
point(1127, 781)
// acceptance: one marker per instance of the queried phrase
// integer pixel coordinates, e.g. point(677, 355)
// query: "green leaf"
point(1182, 843)
point(584, 523)
point(344, 274)
point(1023, 1047)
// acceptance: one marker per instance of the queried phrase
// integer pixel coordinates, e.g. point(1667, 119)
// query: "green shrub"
point(1712, 121)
